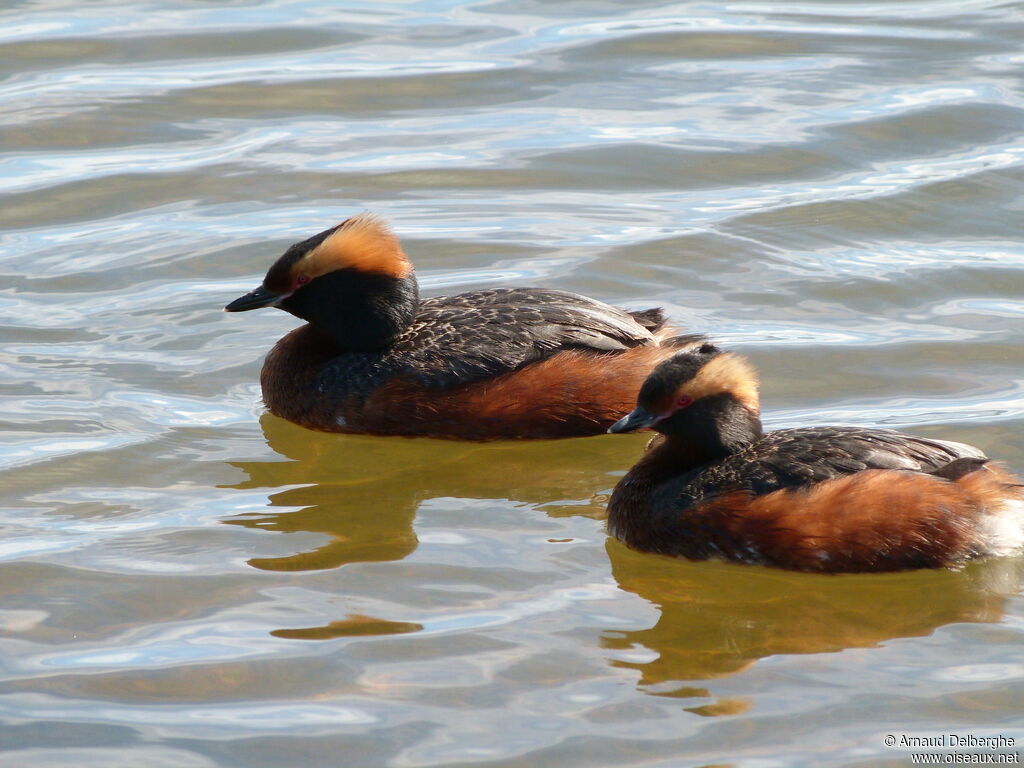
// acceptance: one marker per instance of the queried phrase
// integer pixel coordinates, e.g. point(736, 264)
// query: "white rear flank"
point(1002, 530)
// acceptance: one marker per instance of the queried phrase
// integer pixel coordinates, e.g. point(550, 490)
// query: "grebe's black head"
point(352, 280)
point(697, 392)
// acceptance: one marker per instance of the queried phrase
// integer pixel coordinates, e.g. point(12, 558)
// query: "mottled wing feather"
point(794, 458)
point(471, 336)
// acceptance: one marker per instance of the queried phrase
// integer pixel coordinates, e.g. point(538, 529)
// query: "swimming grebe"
point(501, 363)
point(825, 499)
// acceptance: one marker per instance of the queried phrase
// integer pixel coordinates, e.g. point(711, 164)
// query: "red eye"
point(302, 279)
point(684, 401)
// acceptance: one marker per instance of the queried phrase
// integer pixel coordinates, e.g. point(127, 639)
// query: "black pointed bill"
point(638, 419)
point(260, 297)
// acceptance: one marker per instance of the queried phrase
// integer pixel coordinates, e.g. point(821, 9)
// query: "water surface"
point(834, 188)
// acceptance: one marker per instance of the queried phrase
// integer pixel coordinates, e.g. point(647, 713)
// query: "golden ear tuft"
point(729, 373)
point(364, 243)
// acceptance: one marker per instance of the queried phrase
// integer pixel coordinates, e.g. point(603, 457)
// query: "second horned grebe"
point(825, 499)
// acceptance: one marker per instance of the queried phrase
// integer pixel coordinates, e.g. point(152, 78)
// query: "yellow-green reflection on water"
point(363, 491)
point(716, 619)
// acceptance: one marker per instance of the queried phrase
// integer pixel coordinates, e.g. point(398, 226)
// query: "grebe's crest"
point(364, 243)
point(697, 373)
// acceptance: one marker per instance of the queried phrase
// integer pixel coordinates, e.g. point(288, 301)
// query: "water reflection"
point(356, 625)
point(718, 619)
point(836, 184)
point(363, 492)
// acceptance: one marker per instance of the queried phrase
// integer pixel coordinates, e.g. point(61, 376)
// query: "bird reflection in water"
point(363, 493)
point(717, 619)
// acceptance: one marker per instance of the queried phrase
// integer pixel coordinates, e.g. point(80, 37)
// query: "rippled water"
point(833, 187)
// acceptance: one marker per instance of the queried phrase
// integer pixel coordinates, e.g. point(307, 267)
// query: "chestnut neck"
point(360, 311)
